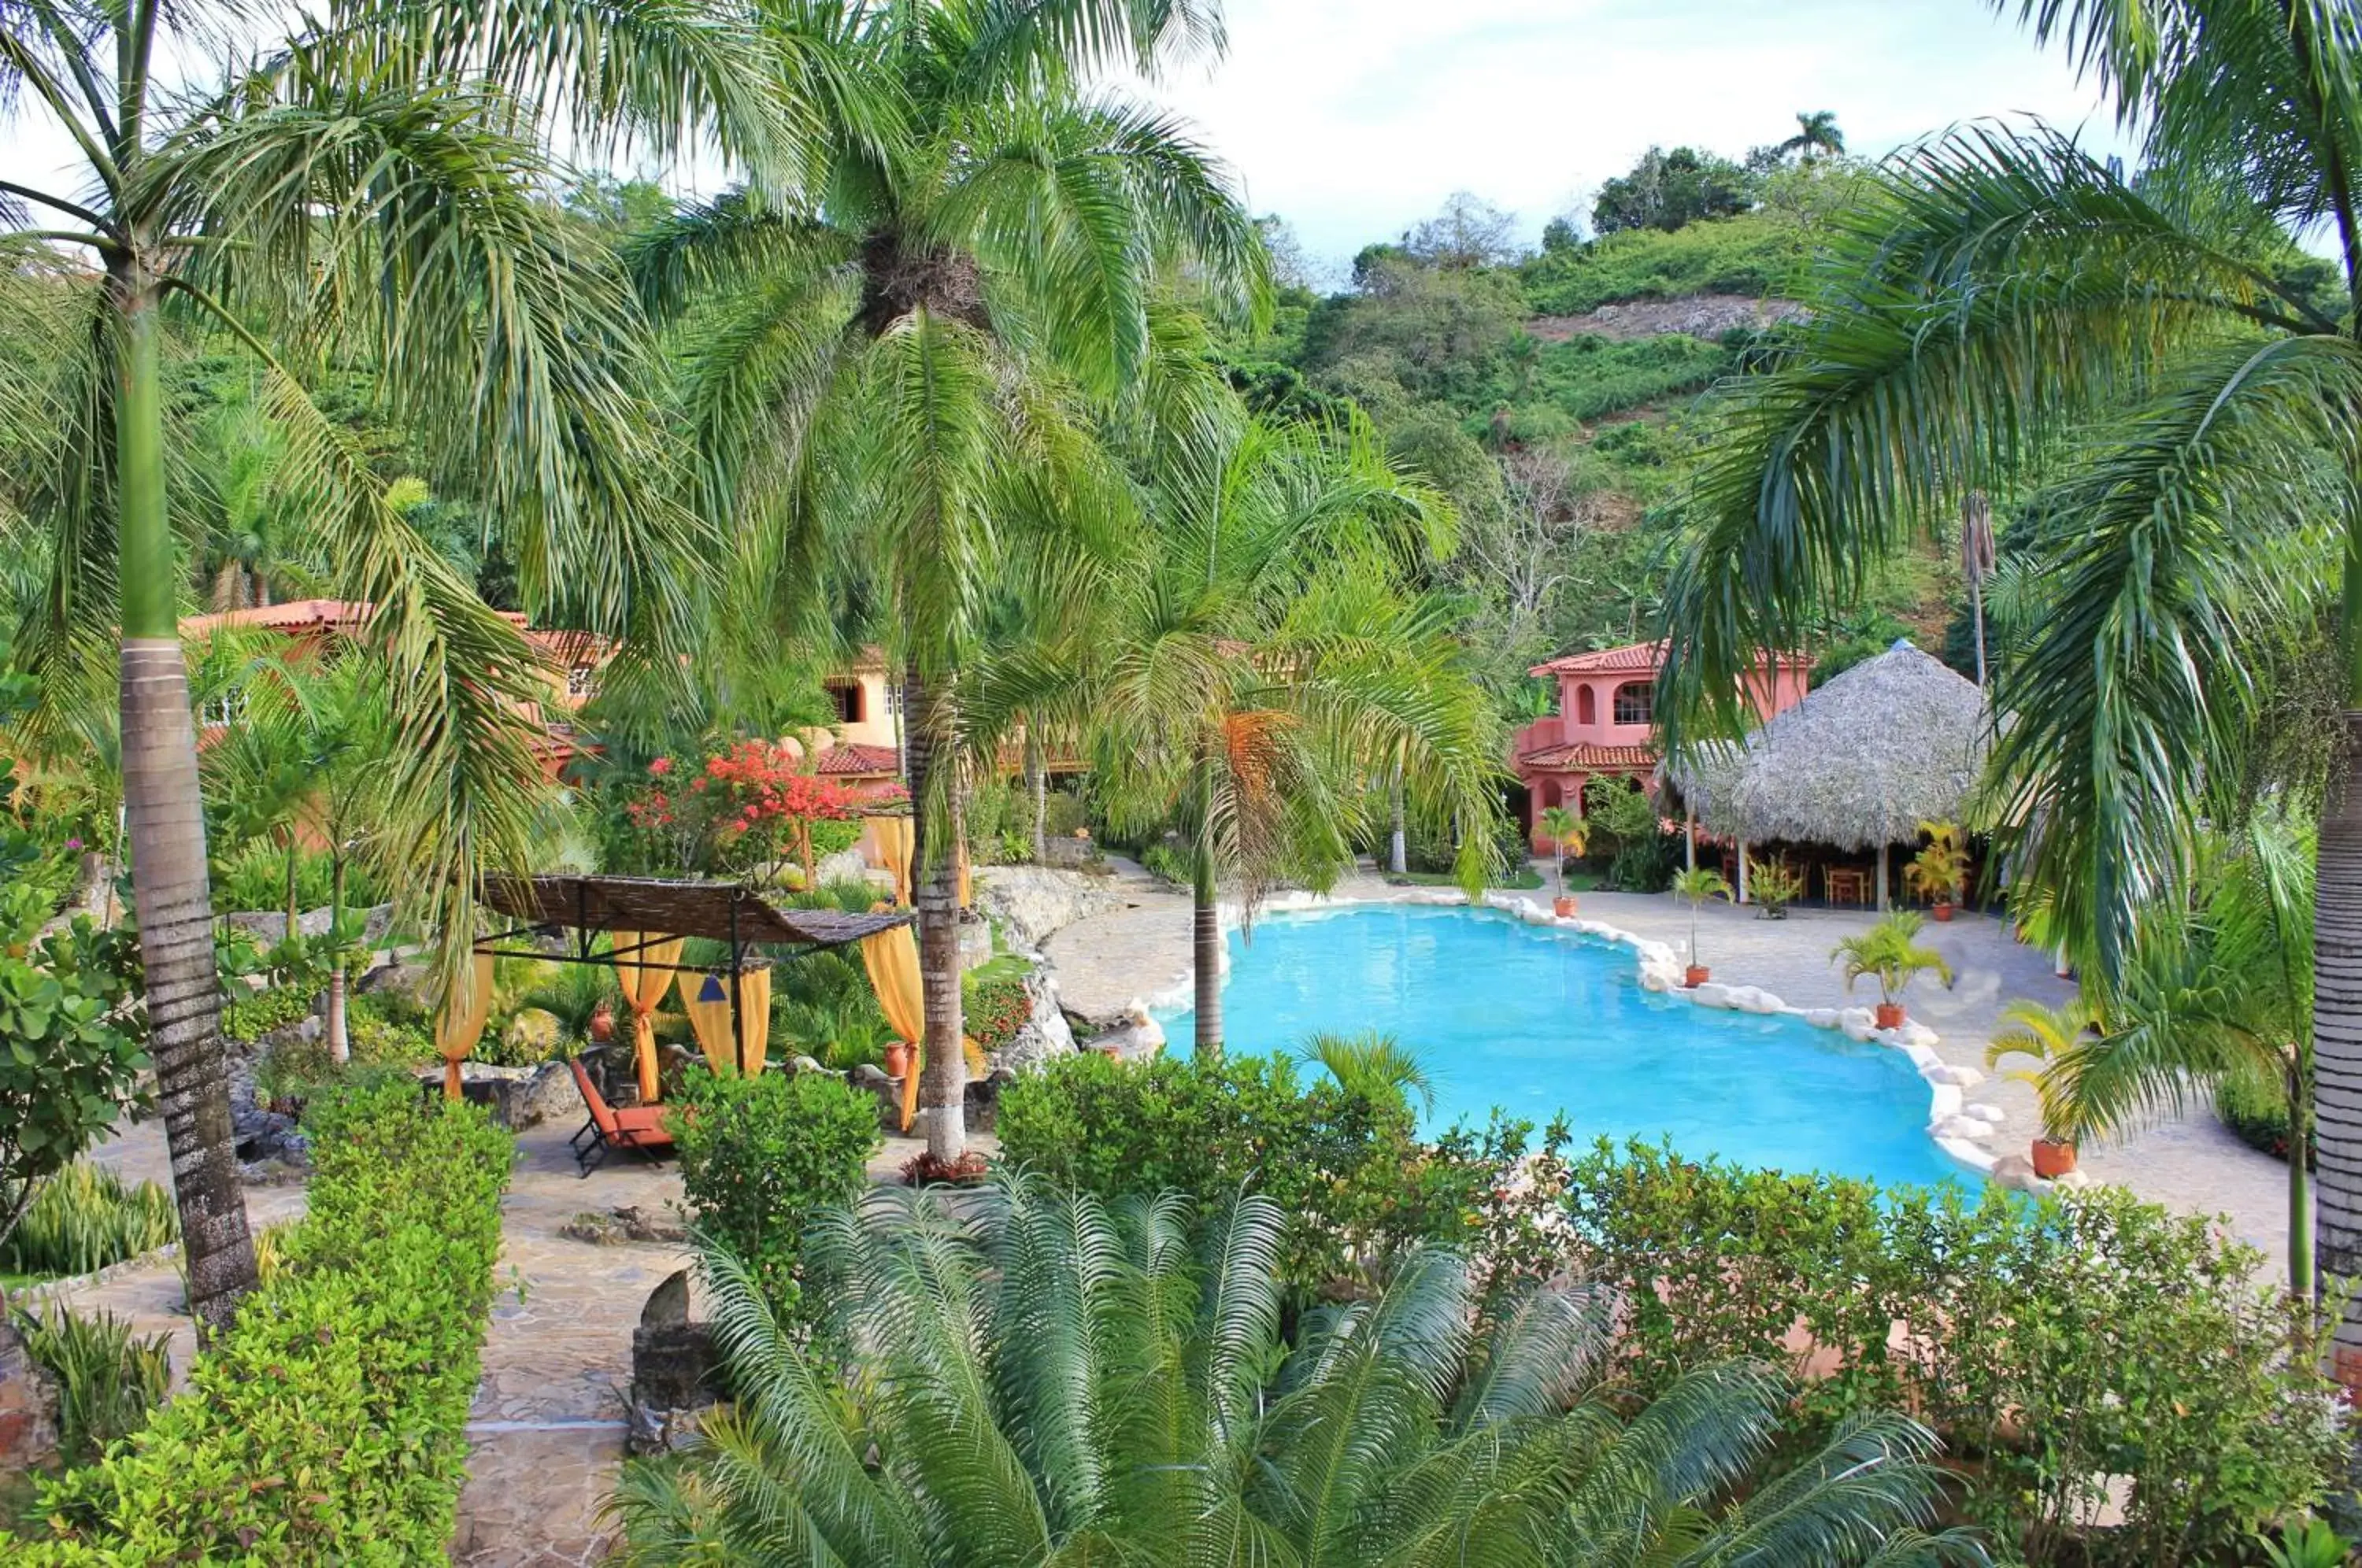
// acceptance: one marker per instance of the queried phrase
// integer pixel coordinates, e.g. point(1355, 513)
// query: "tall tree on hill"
point(1817, 134)
point(1999, 291)
point(373, 186)
point(910, 366)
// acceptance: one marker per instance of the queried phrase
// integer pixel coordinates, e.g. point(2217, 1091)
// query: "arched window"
point(1635, 703)
point(1587, 706)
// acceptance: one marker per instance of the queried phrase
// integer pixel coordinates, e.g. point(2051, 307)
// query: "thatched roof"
point(720, 911)
point(1895, 741)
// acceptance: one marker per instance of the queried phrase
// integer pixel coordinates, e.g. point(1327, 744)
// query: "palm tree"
point(1693, 886)
point(1374, 1065)
point(1265, 660)
point(371, 188)
point(1816, 133)
point(1060, 1384)
point(910, 366)
point(2215, 991)
point(1562, 828)
point(2005, 307)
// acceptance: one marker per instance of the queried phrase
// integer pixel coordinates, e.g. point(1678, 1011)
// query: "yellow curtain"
point(894, 844)
point(644, 977)
point(892, 959)
point(460, 1023)
point(706, 999)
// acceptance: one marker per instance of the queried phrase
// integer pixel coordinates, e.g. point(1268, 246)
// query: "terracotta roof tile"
point(1631, 656)
point(1583, 754)
point(855, 760)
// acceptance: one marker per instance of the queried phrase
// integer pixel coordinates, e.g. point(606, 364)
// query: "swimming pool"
point(1538, 1021)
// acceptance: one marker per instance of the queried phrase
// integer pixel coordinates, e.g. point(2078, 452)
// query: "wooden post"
point(1881, 878)
point(1689, 832)
point(1742, 870)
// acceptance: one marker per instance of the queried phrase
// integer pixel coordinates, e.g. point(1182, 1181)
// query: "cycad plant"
point(1891, 954)
point(1694, 886)
point(1053, 1381)
point(906, 362)
point(1564, 831)
point(369, 187)
point(2166, 388)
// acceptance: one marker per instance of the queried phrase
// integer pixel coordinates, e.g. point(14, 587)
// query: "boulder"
point(1030, 902)
point(2074, 1181)
point(676, 1371)
point(1992, 1115)
point(1754, 998)
point(1963, 1077)
point(28, 1407)
point(1138, 1038)
point(519, 1097)
point(1859, 1023)
point(1711, 994)
point(1822, 1017)
point(2014, 1173)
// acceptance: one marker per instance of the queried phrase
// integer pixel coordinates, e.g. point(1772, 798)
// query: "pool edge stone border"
point(1952, 1124)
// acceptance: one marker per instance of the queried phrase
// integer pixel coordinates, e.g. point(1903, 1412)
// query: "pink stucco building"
point(1606, 724)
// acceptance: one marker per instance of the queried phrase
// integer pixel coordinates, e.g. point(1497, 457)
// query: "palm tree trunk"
point(934, 868)
point(1977, 614)
point(1037, 778)
point(1205, 924)
point(1397, 853)
point(2300, 1158)
point(339, 1046)
point(2337, 1027)
point(170, 892)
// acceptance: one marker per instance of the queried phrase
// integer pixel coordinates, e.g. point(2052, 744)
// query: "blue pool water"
point(1537, 1021)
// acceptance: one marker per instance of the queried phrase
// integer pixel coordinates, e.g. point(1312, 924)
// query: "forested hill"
point(1561, 397)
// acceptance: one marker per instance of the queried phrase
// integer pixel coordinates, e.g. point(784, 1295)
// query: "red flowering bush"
point(767, 812)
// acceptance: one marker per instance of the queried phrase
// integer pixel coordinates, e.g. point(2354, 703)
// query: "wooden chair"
point(1846, 884)
point(639, 1128)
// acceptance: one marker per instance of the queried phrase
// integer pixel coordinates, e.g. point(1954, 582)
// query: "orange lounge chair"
point(639, 1128)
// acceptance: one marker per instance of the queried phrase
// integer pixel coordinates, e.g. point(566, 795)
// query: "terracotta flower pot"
point(1890, 1015)
point(1563, 905)
point(898, 1059)
point(602, 1024)
point(1942, 912)
point(1695, 976)
point(2053, 1158)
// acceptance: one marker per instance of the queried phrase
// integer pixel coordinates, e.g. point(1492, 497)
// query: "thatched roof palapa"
point(1862, 762)
point(718, 911)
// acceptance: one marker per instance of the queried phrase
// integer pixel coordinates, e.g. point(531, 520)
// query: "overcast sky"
point(1354, 118)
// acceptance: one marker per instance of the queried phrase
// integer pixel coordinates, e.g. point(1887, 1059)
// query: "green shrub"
point(760, 1156)
point(329, 1426)
point(83, 1218)
point(2256, 1110)
point(1167, 860)
point(109, 1378)
point(1359, 1186)
point(255, 878)
point(1745, 255)
point(248, 1018)
point(994, 1002)
point(2055, 1343)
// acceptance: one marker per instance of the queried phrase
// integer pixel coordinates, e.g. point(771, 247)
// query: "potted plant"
point(2045, 1036)
point(1564, 831)
point(1774, 885)
point(1940, 872)
point(1889, 954)
point(1693, 888)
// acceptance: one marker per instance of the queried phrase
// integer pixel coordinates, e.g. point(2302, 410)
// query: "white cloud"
point(1354, 118)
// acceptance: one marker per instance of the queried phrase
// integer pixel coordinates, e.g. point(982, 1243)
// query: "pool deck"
point(2191, 1164)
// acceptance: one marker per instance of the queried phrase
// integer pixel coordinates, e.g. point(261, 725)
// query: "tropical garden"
point(978, 371)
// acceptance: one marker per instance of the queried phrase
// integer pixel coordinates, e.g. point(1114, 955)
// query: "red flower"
point(660, 767)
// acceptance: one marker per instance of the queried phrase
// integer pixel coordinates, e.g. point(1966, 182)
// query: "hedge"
point(2054, 1344)
point(328, 1425)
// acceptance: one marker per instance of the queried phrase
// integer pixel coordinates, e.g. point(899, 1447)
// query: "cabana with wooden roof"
point(1858, 765)
point(648, 920)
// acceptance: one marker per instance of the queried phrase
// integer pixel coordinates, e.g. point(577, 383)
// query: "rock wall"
point(28, 1408)
point(1044, 1035)
point(1031, 901)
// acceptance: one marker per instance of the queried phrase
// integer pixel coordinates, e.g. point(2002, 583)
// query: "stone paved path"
point(2191, 1164)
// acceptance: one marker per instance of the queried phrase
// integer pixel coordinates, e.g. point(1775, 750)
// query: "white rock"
point(1914, 1032)
point(1962, 1127)
point(1922, 1060)
point(2074, 1181)
point(1661, 951)
point(1857, 1022)
point(1657, 980)
point(1752, 999)
point(1711, 994)
point(2016, 1172)
point(1967, 1154)
point(1943, 1101)
point(1991, 1114)
point(1966, 1077)
point(1821, 1016)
